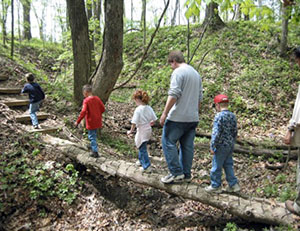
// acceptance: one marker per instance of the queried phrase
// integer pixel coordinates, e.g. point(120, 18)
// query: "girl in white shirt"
point(143, 118)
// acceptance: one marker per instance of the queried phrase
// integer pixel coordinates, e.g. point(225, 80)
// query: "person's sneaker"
point(170, 179)
point(211, 189)
point(187, 179)
point(234, 188)
point(36, 126)
point(290, 206)
point(149, 169)
point(138, 163)
point(94, 154)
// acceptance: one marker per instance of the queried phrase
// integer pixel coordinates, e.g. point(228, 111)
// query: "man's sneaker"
point(211, 189)
point(36, 126)
point(234, 188)
point(170, 179)
point(94, 154)
point(138, 163)
point(187, 179)
point(149, 169)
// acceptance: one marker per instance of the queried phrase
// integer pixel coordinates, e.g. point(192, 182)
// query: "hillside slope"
point(243, 62)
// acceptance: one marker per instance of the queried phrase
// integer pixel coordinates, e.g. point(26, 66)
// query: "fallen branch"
point(253, 209)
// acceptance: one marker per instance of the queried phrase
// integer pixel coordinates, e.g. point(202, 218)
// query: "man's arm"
point(170, 102)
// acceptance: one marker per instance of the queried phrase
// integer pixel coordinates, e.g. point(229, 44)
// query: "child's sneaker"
point(95, 154)
point(170, 179)
point(234, 188)
point(148, 170)
point(211, 189)
point(138, 163)
point(36, 126)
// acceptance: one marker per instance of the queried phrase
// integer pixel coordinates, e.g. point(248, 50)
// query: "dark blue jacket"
point(34, 91)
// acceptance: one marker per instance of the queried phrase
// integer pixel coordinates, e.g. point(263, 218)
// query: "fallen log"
point(10, 90)
point(248, 208)
point(266, 153)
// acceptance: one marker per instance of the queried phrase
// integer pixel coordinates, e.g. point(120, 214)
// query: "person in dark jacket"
point(36, 96)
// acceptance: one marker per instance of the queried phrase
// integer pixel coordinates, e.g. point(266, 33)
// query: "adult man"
point(294, 207)
point(180, 118)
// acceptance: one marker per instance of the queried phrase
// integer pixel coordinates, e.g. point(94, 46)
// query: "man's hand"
point(162, 119)
point(287, 138)
point(212, 152)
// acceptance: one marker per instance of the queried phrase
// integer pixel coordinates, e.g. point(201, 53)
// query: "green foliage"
point(25, 174)
point(231, 227)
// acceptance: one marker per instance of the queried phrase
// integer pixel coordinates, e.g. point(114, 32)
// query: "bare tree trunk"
point(26, 19)
point(81, 46)
point(5, 6)
point(284, 29)
point(90, 17)
point(143, 21)
point(177, 6)
point(111, 62)
point(247, 207)
point(12, 31)
point(212, 17)
point(97, 15)
point(237, 12)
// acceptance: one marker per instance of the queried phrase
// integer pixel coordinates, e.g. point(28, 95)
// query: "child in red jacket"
point(92, 110)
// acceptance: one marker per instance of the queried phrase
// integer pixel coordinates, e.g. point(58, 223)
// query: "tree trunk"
point(81, 46)
point(5, 6)
point(111, 62)
point(284, 30)
point(249, 208)
point(26, 19)
point(177, 6)
point(91, 35)
point(212, 17)
point(237, 12)
point(143, 21)
point(12, 30)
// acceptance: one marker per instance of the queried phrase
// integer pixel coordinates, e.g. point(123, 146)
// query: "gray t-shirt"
point(186, 87)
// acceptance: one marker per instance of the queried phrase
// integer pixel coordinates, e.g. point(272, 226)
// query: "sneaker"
point(234, 188)
point(95, 154)
point(187, 179)
point(170, 179)
point(290, 207)
point(36, 126)
point(149, 169)
point(138, 163)
point(211, 189)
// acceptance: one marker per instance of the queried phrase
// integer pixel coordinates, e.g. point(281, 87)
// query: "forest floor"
point(109, 203)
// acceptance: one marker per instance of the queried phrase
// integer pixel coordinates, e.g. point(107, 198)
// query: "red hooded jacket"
point(92, 110)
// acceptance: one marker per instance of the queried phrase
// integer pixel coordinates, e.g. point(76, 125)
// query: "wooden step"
point(3, 77)
point(17, 102)
point(24, 118)
point(10, 90)
point(45, 130)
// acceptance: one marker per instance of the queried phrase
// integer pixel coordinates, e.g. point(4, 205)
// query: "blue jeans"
point(222, 159)
point(33, 108)
point(92, 135)
point(179, 161)
point(143, 156)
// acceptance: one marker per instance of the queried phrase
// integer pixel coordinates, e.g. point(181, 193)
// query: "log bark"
point(250, 209)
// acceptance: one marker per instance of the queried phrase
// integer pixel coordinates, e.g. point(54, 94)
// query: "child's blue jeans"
point(143, 156)
point(92, 135)
point(222, 159)
point(33, 108)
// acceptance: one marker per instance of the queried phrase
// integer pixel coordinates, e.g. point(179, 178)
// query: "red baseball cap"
point(221, 99)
